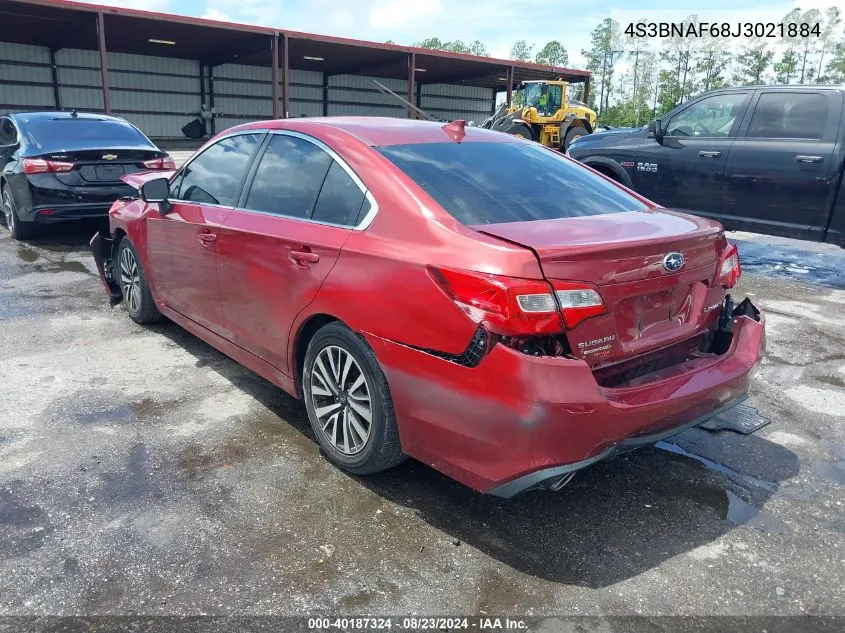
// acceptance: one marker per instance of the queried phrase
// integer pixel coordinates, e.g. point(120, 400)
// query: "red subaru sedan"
point(457, 295)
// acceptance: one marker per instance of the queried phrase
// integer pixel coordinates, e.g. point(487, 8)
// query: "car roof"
point(379, 131)
point(48, 115)
point(779, 87)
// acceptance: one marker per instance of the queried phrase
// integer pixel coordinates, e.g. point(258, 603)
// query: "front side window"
point(215, 176)
point(490, 183)
point(708, 118)
point(789, 115)
point(289, 177)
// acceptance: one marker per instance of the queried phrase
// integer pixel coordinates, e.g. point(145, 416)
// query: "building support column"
point(325, 94)
point(586, 95)
point(274, 48)
point(104, 66)
point(212, 114)
point(57, 98)
point(510, 85)
point(412, 62)
point(285, 78)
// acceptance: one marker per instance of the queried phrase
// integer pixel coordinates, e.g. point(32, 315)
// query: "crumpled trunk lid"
point(622, 254)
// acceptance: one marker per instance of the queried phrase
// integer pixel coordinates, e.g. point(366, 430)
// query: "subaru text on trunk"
point(460, 296)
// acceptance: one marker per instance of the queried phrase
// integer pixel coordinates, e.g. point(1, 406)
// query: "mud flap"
point(102, 249)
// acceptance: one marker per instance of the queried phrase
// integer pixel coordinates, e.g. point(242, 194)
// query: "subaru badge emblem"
point(673, 262)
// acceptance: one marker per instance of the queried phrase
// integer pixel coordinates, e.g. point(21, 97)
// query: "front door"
point(182, 243)
point(780, 170)
point(685, 170)
point(277, 249)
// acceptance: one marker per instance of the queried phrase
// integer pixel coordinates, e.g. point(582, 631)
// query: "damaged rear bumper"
point(554, 478)
point(517, 422)
point(103, 250)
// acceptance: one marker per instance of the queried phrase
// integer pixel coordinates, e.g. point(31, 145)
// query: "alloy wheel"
point(130, 280)
point(340, 396)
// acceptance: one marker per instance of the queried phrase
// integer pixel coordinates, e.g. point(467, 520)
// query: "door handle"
point(207, 238)
point(710, 154)
point(801, 158)
point(302, 256)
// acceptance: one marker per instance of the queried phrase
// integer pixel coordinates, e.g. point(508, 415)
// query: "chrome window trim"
point(362, 225)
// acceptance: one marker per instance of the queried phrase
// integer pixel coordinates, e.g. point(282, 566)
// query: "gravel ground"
point(142, 472)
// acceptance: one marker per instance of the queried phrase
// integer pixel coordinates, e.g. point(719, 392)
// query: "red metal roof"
point(67, 24)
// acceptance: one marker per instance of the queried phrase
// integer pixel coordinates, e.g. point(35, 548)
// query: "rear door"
point(780, 170)
point(686, 169)
point(277, 248)
point(182, 244)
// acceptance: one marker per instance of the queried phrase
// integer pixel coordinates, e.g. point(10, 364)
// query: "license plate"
point(109, 172)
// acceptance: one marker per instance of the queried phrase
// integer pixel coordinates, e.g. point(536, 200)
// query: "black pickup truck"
point(763, 158)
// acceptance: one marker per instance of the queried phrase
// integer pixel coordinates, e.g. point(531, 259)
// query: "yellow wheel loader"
point(539, 111)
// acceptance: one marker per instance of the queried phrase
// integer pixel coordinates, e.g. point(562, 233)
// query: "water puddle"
point(720, 468)
point(834, 472)
point(743, 513)
point(132, 411)
point(776, 260)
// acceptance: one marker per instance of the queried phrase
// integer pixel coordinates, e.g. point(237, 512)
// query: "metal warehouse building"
point(163, 71)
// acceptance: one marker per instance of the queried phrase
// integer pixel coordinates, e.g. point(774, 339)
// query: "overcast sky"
point(497, 23)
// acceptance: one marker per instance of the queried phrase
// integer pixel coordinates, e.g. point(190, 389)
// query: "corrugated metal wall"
point(160, 95)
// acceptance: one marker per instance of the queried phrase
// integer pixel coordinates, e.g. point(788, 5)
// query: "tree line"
point(635, 80)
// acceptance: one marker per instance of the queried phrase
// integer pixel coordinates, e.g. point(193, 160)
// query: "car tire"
point(20, 230)
point(571, 135)
point(133, 284)
point(343, 384)
point(521, 130)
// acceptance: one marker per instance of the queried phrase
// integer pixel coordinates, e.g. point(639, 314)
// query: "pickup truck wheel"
point(571, 135)
point(19, 230)
point(133, 285)
point(348, 402)
point(521, 130)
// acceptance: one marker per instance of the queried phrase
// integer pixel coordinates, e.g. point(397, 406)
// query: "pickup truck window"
point(708, 118)
point(789, 115)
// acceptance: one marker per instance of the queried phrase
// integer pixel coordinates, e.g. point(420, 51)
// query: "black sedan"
point(58, 166)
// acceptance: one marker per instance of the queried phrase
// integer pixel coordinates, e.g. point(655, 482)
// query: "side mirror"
point(156, 190)
point(656, 128)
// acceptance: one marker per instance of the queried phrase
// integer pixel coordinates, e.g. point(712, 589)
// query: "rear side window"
point(491, 183)
point(290, 175)
point(8, 135)
point(340, 198)
point(789, 115)
point(214, 177)
point(64, 134)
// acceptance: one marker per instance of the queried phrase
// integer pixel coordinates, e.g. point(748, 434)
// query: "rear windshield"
point(491, 183)
point(79, 134)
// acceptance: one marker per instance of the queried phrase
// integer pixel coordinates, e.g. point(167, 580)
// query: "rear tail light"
point(41, 166)
point(165, 162)
point(729, 268)
point(578, 302)
point(513, 306)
